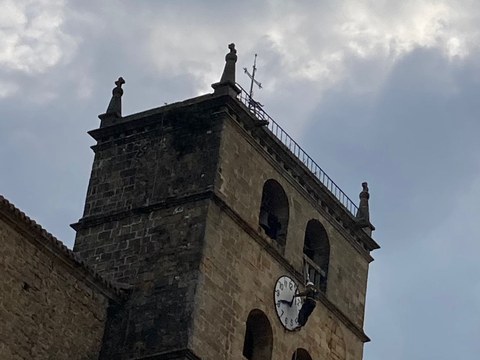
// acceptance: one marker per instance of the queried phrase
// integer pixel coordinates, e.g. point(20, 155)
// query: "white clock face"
point(286, 305)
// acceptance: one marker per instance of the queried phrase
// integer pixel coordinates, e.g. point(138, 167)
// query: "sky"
point(377, 91)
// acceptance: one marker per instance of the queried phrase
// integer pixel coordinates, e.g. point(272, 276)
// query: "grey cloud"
point(406, 123)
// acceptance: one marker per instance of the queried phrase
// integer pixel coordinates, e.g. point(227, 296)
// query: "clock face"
point(286, 305)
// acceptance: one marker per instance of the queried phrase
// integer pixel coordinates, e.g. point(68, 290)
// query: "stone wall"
point(144, 221)
point(141, 166)
point(244, 168)
point(241, 264)
point(47, 309)
point(237, 276)
point(172, 210)
point(144, 160)
point(160, 262)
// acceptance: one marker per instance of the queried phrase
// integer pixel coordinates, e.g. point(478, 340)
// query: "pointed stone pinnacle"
point(115, 105)
point(363, 213)
point(227, 81)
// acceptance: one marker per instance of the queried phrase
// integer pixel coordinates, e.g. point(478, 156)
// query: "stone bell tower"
point(198, 209)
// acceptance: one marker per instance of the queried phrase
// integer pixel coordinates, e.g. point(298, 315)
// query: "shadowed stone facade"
point(51, 305)
point(172, 218)
point(145, 216)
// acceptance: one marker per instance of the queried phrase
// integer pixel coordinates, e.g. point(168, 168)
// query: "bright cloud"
point(315, 41)
point(31, 36)
point(366, 29)
point(383, 89)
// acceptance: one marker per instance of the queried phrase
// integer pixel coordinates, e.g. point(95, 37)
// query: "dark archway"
point(316, 251)
point(258, 341)
point(274, 213)
point(301, 354)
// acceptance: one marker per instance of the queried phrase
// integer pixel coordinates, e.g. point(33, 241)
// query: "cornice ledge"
point(95, 220)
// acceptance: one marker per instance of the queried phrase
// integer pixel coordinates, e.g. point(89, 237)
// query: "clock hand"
point(287, 302)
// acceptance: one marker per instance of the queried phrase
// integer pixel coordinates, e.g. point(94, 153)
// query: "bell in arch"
point(263, 219)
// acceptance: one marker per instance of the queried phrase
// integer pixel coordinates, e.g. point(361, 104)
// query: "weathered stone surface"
point(238, 274)
point(240, 158)
point(173, 156)
point(47, 310)
point(144, 225)
point(160, 261)
point(172, 210)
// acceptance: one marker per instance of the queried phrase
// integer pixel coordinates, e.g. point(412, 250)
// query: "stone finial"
point(115, 105)
point(230, 61)
point(227, 81)
point(363, 213)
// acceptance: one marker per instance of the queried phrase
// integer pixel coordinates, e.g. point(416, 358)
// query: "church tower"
point(212, 218)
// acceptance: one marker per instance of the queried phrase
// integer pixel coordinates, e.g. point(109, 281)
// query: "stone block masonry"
point(160, 262)
point(50, 307)
point(144, 221)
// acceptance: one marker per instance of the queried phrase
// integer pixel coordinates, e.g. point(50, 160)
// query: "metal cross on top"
point(252, 77)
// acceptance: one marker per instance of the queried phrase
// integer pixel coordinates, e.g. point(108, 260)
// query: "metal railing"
point(257, 109)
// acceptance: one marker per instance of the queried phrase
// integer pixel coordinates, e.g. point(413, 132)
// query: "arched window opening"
point(273, 216)
point(301, 354)
point(258, 337)
point(316, 254)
